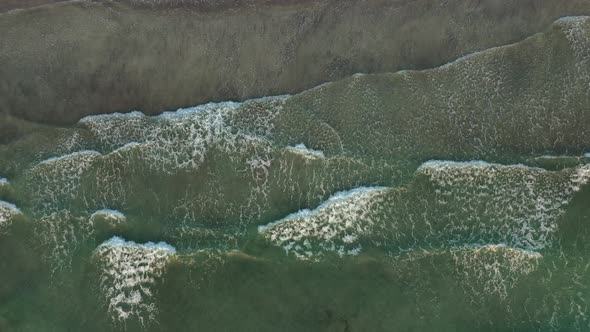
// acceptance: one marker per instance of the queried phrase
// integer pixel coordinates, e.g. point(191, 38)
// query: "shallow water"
point(450, 199)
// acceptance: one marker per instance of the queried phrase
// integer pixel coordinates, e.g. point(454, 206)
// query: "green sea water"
point(451, 199)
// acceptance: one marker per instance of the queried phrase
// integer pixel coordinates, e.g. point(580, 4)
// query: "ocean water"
point(450, 199)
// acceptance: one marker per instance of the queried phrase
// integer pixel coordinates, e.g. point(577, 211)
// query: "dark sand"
point(63, 62)
point(6, 5)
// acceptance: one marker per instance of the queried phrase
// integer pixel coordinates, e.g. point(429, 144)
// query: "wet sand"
point(80, 58)
point(7, 5)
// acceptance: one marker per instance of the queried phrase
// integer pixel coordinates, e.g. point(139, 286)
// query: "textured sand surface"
point(77, 58)
point(7, 5)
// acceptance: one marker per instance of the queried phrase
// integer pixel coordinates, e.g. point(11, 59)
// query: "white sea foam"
point(4, 185)
point(127, 146)
point(128, 273)
point(179, 113)
point(108, 218)
point(56, 181)
point(78, 154)
point(190, 111)
point(470, 201)
point(132, 114)
point(7, 213)
point(114, 130)
point(463, 58)
point(61, 232)
point(580, 177)
point(554, 157)
point(470, 163)
point(568, 19)
point(181, 140)
point(117, 241)
point(108, 212)
point(163, 145)
point(493, 269)
point(576, 30)
point(334, 226)
point(523, 203)
point(8, 205)
point(563, 21)
point(306, 152)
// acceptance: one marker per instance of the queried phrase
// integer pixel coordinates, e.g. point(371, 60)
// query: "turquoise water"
point(450, 199)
